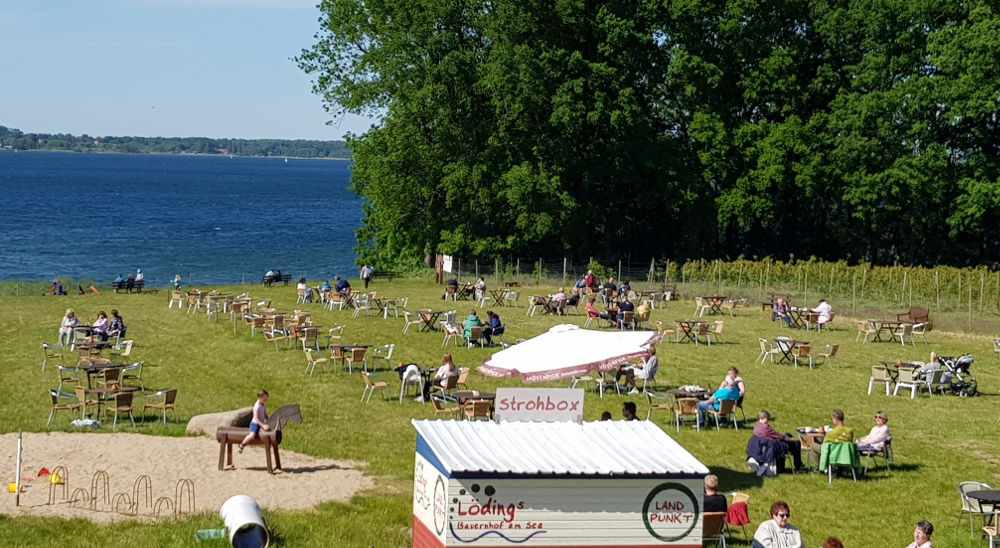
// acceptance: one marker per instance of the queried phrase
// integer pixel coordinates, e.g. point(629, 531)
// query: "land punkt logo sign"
point(670, 512)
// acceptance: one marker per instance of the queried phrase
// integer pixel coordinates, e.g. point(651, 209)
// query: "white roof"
point(601, 448)
point(566, 351)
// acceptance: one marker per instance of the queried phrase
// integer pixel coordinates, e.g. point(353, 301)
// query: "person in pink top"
point(258, 421)
point(922, 535)
point(875, 440)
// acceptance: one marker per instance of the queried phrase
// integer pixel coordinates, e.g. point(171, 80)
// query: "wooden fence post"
point(902, 290)
point(970, 309)
point(982, 287)
point(854, 294)
point(937, 289)
point(565, 264)
point(767, 276)
point(477, 269)
point(864, 278)
point(805, 297)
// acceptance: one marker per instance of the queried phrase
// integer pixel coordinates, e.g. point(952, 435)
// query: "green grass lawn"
point(938, 441)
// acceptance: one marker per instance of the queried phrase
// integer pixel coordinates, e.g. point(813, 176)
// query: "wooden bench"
point(268, 280)
point(383, 275)
point(128, 286)
point(773, 300)
point(228, 436)
point(672, 289)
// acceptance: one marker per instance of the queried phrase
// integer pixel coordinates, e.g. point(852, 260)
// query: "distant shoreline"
point(37, 150)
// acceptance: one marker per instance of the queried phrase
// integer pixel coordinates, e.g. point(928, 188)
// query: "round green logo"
point(670, 512)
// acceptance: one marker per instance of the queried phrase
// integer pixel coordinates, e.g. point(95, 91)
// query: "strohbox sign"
point(539, 404)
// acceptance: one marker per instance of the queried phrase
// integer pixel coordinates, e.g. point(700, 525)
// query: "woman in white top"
point(875, 440)
point(922, 535)
point(776, 532)
point(824, 310)
point(69, 321)
point(447, 369)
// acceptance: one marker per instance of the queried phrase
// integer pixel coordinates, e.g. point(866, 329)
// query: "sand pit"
point(305, 481)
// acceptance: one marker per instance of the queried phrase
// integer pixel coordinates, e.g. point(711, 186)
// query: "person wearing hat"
point(138, 275)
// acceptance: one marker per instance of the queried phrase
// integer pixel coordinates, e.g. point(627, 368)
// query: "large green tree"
point(837, 128)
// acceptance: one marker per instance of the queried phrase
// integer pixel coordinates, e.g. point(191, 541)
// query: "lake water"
point(213, 220)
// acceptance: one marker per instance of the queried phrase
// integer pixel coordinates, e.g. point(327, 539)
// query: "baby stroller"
point(962, 382)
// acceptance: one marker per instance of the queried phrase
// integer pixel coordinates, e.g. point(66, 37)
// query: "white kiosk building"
point(621, 484)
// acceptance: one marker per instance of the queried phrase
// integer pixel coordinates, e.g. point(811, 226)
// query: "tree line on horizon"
point(843, 129)
point(16, 139)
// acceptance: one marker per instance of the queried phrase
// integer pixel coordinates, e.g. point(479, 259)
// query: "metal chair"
point(972, 506)
point(830, 355)
point(169, 397)
point(383, 353)
point(51, 352)
point(370, 387)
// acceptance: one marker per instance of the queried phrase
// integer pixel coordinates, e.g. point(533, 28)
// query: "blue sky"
point(178, 68)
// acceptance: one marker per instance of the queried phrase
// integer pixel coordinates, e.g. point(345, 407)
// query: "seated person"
point(734, 375)
point(340, 285)
point(307, 295)
point(609, 288)
point(453, 284)
point(480, 286)
point(714, 502)
point(589, 280)
point(447, 369)
point(780, 311)
point(824, 310)
point(574, 297)
point(493, 327)
point(325, 286)
point(139, 276)
point(580, 285)
point(728, 392)
point(838, 434)
point(467, 325)
point(117, 327)
point(625, 306)
point(777, 532)
point(269, 273)
point(922, 535)
point(642, 371)
point(625, 288)
point(120, 279)
point(554, 303)
point(593, 313)
point(763, 429)
point(100, 330)
point(177, 282)
point(875, 440)
point(643, 309)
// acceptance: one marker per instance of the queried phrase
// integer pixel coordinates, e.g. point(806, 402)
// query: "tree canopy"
point(855, 129)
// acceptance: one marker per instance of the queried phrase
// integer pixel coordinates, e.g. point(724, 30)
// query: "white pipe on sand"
point(246, 527)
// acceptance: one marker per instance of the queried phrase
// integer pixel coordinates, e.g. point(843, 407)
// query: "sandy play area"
point(304, 483)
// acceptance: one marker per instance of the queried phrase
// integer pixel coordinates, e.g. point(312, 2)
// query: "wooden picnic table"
point(686, 328)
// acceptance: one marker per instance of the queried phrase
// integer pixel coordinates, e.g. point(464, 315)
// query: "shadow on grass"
point(733, 480)
point(303, 469)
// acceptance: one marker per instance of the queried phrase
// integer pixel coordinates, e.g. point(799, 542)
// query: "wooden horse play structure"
point(229, 436)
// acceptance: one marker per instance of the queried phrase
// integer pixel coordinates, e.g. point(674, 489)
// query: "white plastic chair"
point(411, 377)
point(411, 319)
point(383, 353)
point(906, 332)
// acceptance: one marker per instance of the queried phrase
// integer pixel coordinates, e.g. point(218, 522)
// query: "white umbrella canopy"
point(567, 351)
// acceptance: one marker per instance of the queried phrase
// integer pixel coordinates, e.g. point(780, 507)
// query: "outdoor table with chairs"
point(429, 318)
point(466, 397)
point(787, 348)
point(889, 327)
point(681, 393)
point(687, 330)
point(95, 369)
point(893, 369)
point(498, 295)
point(800, 316)
point(714, 304)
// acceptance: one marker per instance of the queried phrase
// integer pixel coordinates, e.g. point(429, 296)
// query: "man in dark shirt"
point(625, 306)
point(340, 285)
point(714, 502)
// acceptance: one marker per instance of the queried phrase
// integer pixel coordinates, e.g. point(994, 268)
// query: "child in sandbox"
point(258, 420)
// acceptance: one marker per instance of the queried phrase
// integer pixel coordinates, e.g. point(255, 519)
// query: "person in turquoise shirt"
point(728, 392)
point(470, 322)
